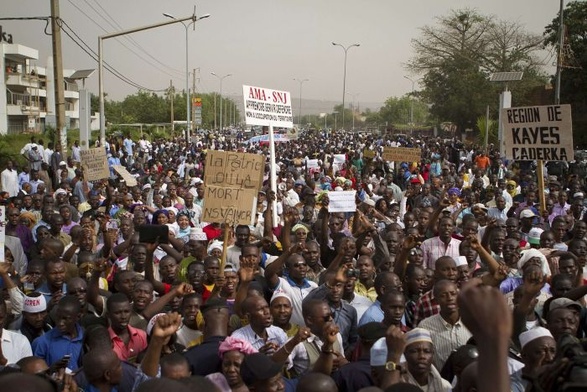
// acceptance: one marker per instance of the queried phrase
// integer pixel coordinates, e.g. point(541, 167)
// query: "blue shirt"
point(44, 289)
point(53, 345)
point(373, 313)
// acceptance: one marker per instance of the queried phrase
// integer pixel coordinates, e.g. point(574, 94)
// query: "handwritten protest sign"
point(234, 169)
point(538, 132)
point(312, 164)
point(95, 164)
point(231, 205)
point(126, 176)
point(264, 106)
point(402, 154)
point(342, 201)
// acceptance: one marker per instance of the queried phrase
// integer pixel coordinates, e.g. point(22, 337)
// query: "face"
point(393, 309)
point(65, 319)
point(301, 235)
point(168, 269)
point(281, 310)
point(446, 269)
point(162, 219)
point(568, 267)
point(561, 321)
point(242, 236)
point(579, 229)
point(231, 364)
point(561, 287)
point(196, 274)
point(55, 275)
point(446, 297)
point(446, 228)
point(416, 283)
point(335, 289)
point(119, 315)
point(366, 268)
point(319, 316)
point(311, 254)
point(547, 240)
point(138, 258)
point(190, 308)
point(419, 357)
point(539, 352)
point(212, 268)
point(297, 267)
point(259, 313)
point(78, 287)
point(183, 222)
point(36, 320)
point(416, 256)
point(142, 295)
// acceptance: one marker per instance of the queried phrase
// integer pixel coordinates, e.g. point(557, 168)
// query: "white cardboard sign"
point(342, 201)
point(265, 107)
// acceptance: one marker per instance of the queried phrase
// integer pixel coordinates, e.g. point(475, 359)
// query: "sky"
point(265, 43)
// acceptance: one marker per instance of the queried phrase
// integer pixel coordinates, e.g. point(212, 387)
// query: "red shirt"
point(136, 343)
point(212, 232)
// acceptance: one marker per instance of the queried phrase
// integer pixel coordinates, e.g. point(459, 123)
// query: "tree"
point(574, 62)
point(397, 110)
point(457, 55)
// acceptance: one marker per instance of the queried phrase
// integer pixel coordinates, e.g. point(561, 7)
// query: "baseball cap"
point(564, 303)
point(258, 367)
point(534, 236)
point(527, 213)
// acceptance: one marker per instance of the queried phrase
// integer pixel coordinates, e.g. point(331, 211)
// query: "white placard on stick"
point(126, 176)
point(538, 133)
point(342, 201)
point(265, 107)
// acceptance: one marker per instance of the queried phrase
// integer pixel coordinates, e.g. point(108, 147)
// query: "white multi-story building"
point(27, 92)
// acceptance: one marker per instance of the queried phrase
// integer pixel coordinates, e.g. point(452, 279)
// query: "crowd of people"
point(448, 274)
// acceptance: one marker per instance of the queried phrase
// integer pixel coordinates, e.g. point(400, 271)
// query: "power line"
point(131, 39)
point(90, 52)
point(122, 43)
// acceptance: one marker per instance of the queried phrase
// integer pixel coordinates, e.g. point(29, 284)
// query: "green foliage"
point(573, 78)
point(456, 56)
point(482, 125)
point(397, 111)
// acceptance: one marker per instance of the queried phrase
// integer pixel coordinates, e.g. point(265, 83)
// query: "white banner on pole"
point(265, 107)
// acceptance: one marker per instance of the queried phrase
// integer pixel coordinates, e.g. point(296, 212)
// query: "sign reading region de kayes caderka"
point(538, 133)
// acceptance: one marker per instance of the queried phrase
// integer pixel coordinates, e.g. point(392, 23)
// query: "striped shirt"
point(274, 334)
point(433, 249)
point(445, 337)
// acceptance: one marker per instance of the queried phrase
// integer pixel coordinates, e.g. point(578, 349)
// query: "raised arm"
point(164, 328)
point(157, 306)
point(401, 261)
point(158, 286)
point(94, 286)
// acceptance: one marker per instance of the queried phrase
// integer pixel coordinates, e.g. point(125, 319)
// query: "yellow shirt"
point(362, 290)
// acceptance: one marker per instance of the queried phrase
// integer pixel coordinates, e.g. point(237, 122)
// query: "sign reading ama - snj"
point(538, 133)
point(265, 107)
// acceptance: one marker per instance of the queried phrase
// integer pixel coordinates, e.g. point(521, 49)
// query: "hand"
point(55, 298)
point(409, 242)
point(444, 203)
point(100, 266)
point(501, 273)
point(166, 325)
point(396, 342)
point(298, 248)
point(268, 348)
point(303, 334)
point(152, 246)
point(183, 289)
point(474, 241)
point(484, 312)
point(491, 222)
point(533, 282)
point(246, 272)
point(330, 331)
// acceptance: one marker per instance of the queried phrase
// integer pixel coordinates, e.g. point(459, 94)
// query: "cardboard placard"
point(264, 106)
point(538, 133)
point(402, 154)
point(312, 164)
point(126, 176)
point(234, 169)
point(229, 205)
point(368, 154)
point(339, 158)
point(95, 164)
point(342, 201)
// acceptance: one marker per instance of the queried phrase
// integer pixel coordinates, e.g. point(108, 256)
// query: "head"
point(242, 234)
point(445, 268)
point(175, 366)
point(296, 267)
point(67, 315)
point(257, 311)
point(281, 309)
point(445, 294)
point(102, 367)
point(393, 305)
point(316, 314)
point(118, 311)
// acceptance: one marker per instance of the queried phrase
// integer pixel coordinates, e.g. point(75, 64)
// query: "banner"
point(342, 201)
point(266, 107)
point(235, 206)
point(234, 169)
point(94, 164)
point(538, 133)
point(402, 154)
point(126, 176)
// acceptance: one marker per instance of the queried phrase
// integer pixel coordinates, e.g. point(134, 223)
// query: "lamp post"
point(411, 104)
point(220, 78)
point(354, 100)
point(300, 81)
point(187, 69)
point(346, 49)
point(101, 61)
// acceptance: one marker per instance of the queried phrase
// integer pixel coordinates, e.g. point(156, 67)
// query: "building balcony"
point(71, 94)
point(22, 80)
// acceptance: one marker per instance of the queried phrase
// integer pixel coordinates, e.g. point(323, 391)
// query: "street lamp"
point(411, 104)
point(346, 49)
point(188, 107)
point(220, 78)
point(354, 101)
point(300, 81)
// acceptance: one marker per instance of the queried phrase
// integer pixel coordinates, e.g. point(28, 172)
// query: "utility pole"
point(193, 107)
point(214, 111)
point(559, 62)
point(58, 77)
point(171, 96)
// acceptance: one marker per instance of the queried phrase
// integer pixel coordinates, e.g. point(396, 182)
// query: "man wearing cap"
point(447, 331)
point(538, 349)
point(261, 374)
point(33, 322)
point(563, 317)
